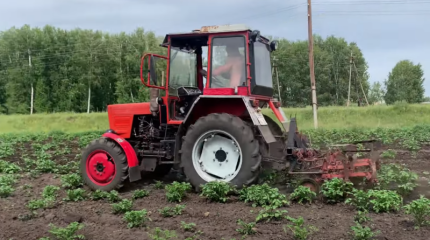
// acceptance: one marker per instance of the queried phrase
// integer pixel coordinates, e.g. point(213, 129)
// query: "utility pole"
point(349, 85)
point(311, 64)
point(32, 89)
point(361, 85)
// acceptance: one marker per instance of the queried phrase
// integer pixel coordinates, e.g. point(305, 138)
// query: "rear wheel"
point(104, 165)
point(220, 147)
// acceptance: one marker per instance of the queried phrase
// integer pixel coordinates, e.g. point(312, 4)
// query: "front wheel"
point(220, 147)
point(104, 165)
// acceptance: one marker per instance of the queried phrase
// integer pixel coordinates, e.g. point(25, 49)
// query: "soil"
point(214, 220)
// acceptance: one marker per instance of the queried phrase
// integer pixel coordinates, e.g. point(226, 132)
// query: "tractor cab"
point(211, 61)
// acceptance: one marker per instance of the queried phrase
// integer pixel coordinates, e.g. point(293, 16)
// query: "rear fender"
point(235, 105)
point(132, 161)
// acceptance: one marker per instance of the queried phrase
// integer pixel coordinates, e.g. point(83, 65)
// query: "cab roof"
point(206, 30)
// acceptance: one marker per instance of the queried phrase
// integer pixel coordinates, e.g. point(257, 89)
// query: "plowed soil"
point(214, 220)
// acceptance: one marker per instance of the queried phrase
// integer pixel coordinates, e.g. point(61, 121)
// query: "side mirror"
point(273, 45)
point(156, 69)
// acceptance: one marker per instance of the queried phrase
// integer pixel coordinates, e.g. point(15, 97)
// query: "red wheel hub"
point(311, 186)
point(100, 167)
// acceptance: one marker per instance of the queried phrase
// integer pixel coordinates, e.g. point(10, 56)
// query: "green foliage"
point(389, 154)
point(67, 233)
point(420, 210)
point(360, 232)
point(43, 203)
point(188, 227)
point(49, 196)
point(111, 196)
point(159, 185)
point(361, 216)
point(7, 180)
point(6, 191)
point(216, 191)
point(172, 211)
point(8, 167)
point(405, 83)
point(140, 194)
point(300, 231)
point(360, 199)
point(246, 228)
point(176, 191)
point(270, 213)
point(136, 218)
point(160, 234)
point(72, 181)
point(50, 191)
point(376, 93)
point(303, 194)
point(397, 177)
point(335, 190)
point(263, 195)
point(122, 207)
point(384, 200)
point(75, 195)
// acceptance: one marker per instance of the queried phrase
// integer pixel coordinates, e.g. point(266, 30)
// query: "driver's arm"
point(222, 69)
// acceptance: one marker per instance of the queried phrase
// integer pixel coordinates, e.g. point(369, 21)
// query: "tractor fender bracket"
point(132, 161)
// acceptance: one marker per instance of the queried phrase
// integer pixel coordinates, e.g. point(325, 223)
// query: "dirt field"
point(214, 220)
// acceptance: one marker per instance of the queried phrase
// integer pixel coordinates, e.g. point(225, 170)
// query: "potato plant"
point(263, 195)
point(216, 191)
point(420, 210)
point(336, 190)
point(136, 218)
point(176, 191)
point(303, 194)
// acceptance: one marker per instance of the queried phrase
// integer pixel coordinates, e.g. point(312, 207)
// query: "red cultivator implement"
point(340, 161)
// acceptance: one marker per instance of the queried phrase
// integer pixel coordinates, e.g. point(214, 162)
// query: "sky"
point(386, 31)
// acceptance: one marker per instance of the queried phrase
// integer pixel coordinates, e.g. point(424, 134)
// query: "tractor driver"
point(234, 66)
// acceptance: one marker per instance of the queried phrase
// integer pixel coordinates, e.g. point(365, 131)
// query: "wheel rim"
point(217, 156)
point(100, 168)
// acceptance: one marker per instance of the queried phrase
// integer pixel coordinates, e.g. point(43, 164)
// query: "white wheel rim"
point(217, 156)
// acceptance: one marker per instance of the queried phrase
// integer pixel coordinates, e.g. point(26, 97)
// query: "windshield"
point(263, 73)
point(183, 67)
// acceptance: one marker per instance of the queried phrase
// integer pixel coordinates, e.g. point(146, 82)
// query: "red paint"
point(334, 164)
point(142, 61)
point(248, 62)
point(205, 107)
point(121, 116)
point(126, 146)
point(100, 158)
point(242, 91)
point(276, 111)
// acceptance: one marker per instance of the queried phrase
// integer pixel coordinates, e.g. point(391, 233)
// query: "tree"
point(376, 93)
point(405, 83)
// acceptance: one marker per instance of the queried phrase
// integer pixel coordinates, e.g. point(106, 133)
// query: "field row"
point(40, 186)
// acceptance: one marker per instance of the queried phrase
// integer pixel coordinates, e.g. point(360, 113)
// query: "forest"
point(85, 70)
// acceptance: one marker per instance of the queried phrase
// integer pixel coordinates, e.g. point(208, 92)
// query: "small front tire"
point(104, 165)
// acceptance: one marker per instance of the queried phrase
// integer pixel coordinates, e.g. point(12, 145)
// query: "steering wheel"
point(215, 79)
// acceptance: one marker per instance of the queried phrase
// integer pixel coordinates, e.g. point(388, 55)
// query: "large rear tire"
point(220, 147)
point(104, 165)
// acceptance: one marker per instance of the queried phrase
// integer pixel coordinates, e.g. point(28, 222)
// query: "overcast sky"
point(386, 30)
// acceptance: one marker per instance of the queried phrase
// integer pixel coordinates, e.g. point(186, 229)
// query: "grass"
point(396, 116)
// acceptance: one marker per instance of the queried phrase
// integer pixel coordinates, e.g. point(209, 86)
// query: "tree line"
point(55, 70)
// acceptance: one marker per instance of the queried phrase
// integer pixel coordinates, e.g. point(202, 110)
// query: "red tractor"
point(208, 123)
